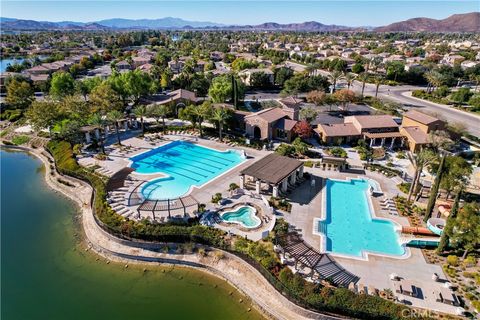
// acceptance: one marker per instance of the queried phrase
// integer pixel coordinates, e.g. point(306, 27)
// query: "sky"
point(239, 12)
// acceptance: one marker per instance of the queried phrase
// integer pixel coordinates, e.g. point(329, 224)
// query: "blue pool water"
point(349, 227)
point(186, 165)
point(244, 215)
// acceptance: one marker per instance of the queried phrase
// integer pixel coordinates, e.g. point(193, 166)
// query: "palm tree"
point(434, 79)
point(158, 112)
point(98, 121)
point(363, 77)
point(378, 81)
point(140, 111)
point(419, 161)
point(334, 76)
point(349, 77)
point(202, 112)
point(115, 116)
point(220, 116)
point(434, 190)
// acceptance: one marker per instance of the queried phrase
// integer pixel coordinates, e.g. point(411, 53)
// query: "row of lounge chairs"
point(362, 289)
point(389, 206)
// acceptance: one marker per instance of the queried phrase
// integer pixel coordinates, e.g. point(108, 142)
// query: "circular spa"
point(244, 215)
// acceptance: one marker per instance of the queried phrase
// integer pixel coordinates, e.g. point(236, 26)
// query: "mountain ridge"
point(468, 22)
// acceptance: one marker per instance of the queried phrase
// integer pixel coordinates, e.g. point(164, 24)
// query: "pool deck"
point(307, 205)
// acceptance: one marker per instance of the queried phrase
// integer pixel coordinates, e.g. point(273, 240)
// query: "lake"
point(47, 274)
point(5, 62)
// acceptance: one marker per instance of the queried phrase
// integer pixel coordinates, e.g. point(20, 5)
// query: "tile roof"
point(269, 115)
point(272, 168)
point(285, 124)
point(291, 102)
point(416, 134)
point(338, 130)
point(373, 121)
point(420, 117)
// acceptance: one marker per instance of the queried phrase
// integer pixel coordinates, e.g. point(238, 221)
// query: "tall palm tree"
point(434, 79)
point(378, 81)
point(434, 190)
point(97, 120)
point(363, 77)
point(349, 77)
point(220, 116)
point(419, 161)
point(116, 116)
point(334, 77)
point(202, 112)
point(141, 111)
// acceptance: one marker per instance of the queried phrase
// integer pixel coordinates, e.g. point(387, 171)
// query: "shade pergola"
point(323, 264)
point(168, 205)
point(272, 168)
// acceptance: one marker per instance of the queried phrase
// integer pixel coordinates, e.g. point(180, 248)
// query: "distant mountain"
point(304, 26)
point(162, 23)
point(468, 22)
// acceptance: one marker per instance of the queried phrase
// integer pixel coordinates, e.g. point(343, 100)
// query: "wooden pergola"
point(321, 263)
point(168, 205)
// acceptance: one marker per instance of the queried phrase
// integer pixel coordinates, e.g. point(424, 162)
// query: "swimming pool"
point(348, 226)
point(185, 164)
point(244, 215)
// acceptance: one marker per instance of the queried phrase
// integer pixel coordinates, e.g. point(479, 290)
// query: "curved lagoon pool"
point(349, 227)
point(244, 215)
point(185, 164)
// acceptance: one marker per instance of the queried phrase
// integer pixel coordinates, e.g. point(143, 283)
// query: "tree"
point(344, 97)
point(85, 87)
point(141, 111)
point(457, 172)
point(158, 112)
point(448, 230)
point(220, 116)
point(75, 108)
point(419, 161)
point(19, 94)
point(115, 117)
point(434, 191)
point(281, 75)
point(363, 77)
point(301, 147)
point(119, 83)
point(43, 114)
point(466, 228)
point(435, 79)
point(104, 99)
point(303, 129)
point(138, 84)
point(461, 96)
point(62, 85)
point(99, 121)
point(221, 89)
point(395, 69)
point(316, 97)
point(358, 68)
point(378, 80)
point(308, 114)
point(349, 77)
point(334, 77)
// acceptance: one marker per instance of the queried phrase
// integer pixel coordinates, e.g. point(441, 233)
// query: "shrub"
point(337, 152)
point(285, 150)
point(452, 260)
point(233, 186)
point(476, 305)
point(19, 140)
point(217, 197)
point(404, 187)
point(470, 261)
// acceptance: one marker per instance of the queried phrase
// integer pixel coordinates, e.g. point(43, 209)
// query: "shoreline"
point(226, 266)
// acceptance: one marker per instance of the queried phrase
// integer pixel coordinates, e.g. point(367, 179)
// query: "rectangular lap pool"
point(185, 164)
point(348, 226)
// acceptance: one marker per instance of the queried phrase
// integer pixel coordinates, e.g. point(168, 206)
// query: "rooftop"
point(269, 115)
point(272, 168)
point(373, 121)
point(338, 130)
point(420, 117)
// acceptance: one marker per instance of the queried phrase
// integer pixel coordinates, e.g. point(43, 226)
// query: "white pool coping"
point(192, 187)
point(365, 253)
point(259, 222)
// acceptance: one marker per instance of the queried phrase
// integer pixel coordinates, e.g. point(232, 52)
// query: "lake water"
point(5, 62)
point(46, 273)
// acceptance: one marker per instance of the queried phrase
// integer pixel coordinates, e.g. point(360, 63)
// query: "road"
point(402, 94)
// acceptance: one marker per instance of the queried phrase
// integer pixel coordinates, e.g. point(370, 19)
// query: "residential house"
point(273, 123)
point(123, 66)
point(246, 75)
